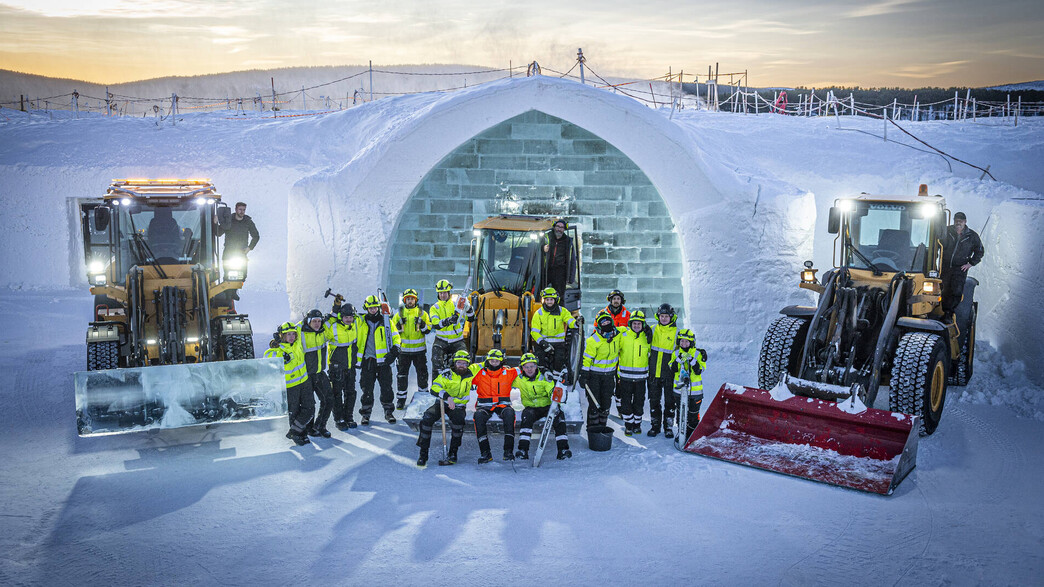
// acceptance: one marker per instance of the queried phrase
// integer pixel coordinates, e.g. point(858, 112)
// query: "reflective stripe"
point(602, 369)
point(341, 344)
point(298, 378)
point(661, 350)
point(555, 338)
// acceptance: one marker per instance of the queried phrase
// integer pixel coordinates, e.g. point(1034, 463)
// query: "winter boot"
point(341, 425)
point(352, 424)
point(522, 455)
point(300, 440)
point(485, 458)
point(423, 458)
point(508, 455)
point(313, 431)
point(400, 404)
point(636, 428)
point(451, 458)
point(389, 416)
point(324, 433)
point(668, 433)
point(627, 429)
point(364, 420)
point(564, 453)
point(653, 431)
point(290, 434)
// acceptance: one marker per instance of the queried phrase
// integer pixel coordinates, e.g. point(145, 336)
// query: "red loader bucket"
point(872, 450)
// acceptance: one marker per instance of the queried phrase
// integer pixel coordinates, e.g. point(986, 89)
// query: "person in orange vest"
point(621, 315)
point(493, 396)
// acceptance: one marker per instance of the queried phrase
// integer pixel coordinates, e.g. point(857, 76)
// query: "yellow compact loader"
point(165, 346)
point(878, 322)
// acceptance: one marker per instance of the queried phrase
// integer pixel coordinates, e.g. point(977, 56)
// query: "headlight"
point(234, 275)
point(846, 205)
point(533, 236)
point(477, 232)
point(98, 279)
point(96, 267)
point(234, 263)
point(808, 275)
point(928, 210)
point(932, 287)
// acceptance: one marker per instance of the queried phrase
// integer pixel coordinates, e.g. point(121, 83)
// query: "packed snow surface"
point(234, 504)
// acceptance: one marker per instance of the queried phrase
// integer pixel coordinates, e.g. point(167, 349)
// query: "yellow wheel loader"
point(165, 345)
point(508, 269)
point(879, 322)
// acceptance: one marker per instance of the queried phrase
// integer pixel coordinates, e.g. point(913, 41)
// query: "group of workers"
point(622, 358)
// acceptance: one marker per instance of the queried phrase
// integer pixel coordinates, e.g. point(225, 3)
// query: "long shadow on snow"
point(163, 480)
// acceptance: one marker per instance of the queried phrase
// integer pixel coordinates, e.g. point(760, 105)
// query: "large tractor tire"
point(919, 373)
point(103, 355)
point(781, 350)
point(239, 346)
point(962, 371)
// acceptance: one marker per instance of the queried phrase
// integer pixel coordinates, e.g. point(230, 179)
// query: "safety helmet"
point(616, 292)
point(637, 315)
point(372, 302)
point(495, 355)
point(443, 285)
point(313, 313)
point(601, 319)
point(287, 327)
point(461, 355)
point(548, 292)
point(561, 221)
point(686, 334)
point(527, 358)
point(665, 309)
point(410, 292)
point(347, 310)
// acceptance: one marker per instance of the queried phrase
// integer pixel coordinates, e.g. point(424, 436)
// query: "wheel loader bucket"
point(859, 448)
point(115, 401)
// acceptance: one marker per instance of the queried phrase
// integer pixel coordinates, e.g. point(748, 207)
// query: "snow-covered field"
point(233, 504)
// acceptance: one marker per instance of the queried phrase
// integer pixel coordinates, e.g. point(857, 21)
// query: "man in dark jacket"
point(962, 249)
point(559, 250)
point(240, 234)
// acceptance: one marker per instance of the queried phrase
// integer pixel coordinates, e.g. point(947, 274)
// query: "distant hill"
point(1037, 86)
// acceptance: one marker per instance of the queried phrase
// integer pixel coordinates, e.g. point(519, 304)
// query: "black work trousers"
point(431, 418)
point(952, 288)
point(632, 399)
point(321, 388)
point(342, 382)
point(300, 405)
point(661, 387)
point(602, 386)
point(382, 375)
point(530, 416)
point(442, 352)
point(482, 416)
point(419, 361)
point(555, 360)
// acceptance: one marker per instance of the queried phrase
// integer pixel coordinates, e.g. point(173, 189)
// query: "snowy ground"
point(235, 505)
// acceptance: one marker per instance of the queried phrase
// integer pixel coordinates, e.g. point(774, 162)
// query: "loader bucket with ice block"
point(836, 443)
point(134, 399)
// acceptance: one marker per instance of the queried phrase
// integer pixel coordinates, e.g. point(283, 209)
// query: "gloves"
point(392, 355)
point(336, 372)
point(703, 355)
point(583, 379)
point(696, 369)
point(548, 348)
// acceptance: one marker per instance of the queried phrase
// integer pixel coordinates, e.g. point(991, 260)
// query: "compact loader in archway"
point(166, 347)
point(879, 322)
point(508, 269)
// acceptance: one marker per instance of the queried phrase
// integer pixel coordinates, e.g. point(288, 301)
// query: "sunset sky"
point(906, 43)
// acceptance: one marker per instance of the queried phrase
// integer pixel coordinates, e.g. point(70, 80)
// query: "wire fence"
point(677, 91)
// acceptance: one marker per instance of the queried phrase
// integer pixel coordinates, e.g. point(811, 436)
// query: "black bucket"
point(600, 438)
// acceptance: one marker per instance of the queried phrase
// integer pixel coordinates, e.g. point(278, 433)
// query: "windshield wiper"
point(144, 246)
point(489, 274)
point(870, 264)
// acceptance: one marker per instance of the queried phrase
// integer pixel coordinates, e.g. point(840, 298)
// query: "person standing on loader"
point(315, 337)
point(962, 249)
point(452, 387)
point(449, 332)
point(299, 400)
point(559, 250)
point(549, 328)
point(493, 396)
point(241, 237)
point(536, 389)
point(341, 326)
point(688, 363)
point(661, 379)
point(635, 344)
point(598, 374)
point(377, 346)
point(412, 323)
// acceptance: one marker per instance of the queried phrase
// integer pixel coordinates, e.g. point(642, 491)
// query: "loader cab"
point(140, 224)
point(889, 234)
